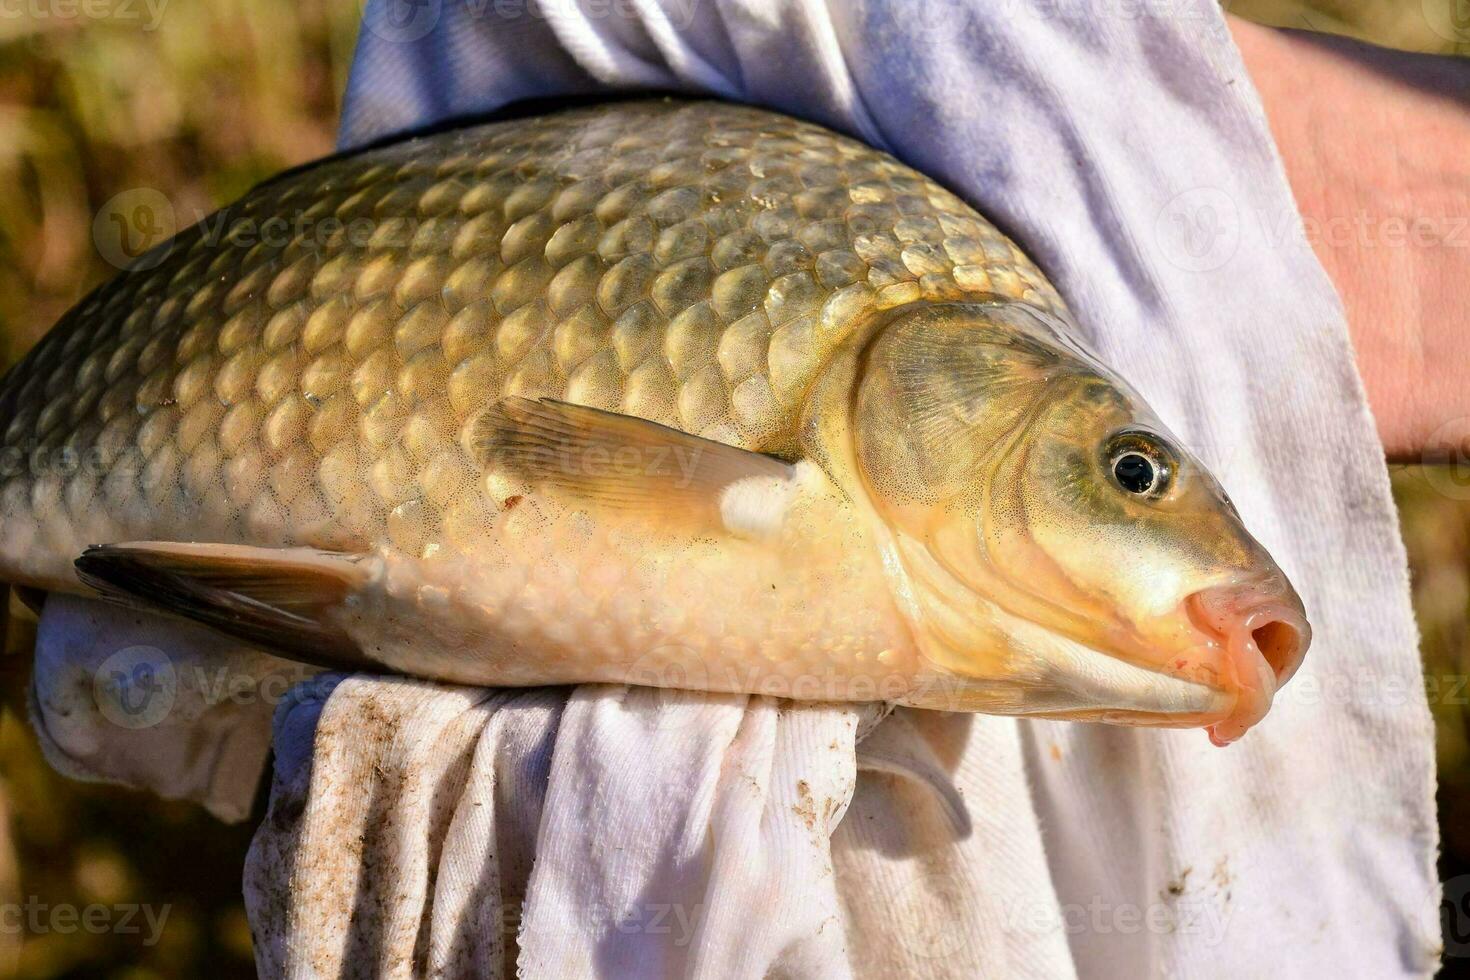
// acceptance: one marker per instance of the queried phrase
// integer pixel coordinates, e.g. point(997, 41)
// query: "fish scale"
point(692, 264)
point(674, 393)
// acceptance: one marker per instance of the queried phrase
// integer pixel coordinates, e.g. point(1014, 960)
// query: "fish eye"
point(1140, 463)
point(1135, 472)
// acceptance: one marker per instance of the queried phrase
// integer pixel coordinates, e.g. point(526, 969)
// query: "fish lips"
point(1261, 636)
point(1249, 642)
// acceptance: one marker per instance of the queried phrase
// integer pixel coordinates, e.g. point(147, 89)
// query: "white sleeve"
point(1125, 149)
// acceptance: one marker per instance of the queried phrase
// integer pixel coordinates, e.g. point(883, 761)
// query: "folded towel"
point(416, 828)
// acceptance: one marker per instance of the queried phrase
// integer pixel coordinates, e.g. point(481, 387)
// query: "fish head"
point(1057, 551)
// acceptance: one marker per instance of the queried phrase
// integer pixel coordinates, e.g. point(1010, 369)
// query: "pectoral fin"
point(620, 461)
point(272, 597)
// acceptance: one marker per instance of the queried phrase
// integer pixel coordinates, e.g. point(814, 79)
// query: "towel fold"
point(615, 831)
point(456, 832)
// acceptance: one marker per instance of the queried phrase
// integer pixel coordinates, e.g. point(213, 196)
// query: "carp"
point(668, 392)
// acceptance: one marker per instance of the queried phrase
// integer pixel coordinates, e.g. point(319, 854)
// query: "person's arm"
point(1374, 145)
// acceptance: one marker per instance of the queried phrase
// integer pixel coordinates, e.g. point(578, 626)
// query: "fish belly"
point(554, 596)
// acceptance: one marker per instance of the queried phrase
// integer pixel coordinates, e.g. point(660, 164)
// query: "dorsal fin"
point(272, 597)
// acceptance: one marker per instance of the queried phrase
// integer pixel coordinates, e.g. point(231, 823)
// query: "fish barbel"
point(675, 393)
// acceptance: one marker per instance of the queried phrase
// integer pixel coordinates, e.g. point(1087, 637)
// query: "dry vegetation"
point(214, 97)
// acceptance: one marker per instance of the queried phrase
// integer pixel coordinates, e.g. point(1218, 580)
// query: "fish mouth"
point(1261, 635)
point(1215, 661)
point(1248, 642)
point(1053, 675)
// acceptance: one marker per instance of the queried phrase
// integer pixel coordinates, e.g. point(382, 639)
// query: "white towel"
point(625, 832)
point(154, 703)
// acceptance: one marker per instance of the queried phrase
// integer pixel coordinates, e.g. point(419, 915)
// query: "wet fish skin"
point(692, 264)
point(301, 384)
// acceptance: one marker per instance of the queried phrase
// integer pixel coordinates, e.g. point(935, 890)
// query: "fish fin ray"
point(272, 597)
point(615, 460)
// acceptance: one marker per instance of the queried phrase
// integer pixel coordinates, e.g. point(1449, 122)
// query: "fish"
point(679, 393)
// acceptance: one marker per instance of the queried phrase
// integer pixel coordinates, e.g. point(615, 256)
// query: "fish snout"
point(1263, 634)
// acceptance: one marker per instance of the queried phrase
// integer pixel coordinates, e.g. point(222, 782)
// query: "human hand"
point(1373, 142)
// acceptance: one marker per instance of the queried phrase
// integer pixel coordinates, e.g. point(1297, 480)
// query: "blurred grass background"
point(201, 102)
point(1427, 26)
